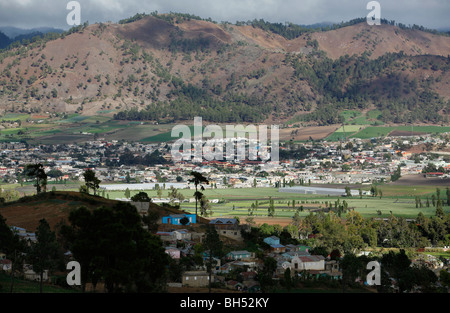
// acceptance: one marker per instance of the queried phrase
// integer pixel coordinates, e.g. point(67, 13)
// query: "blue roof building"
point(175, 219)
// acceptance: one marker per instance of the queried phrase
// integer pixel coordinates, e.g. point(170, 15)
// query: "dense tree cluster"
point(150, 159)
point(292, 31)
point(127, 258)
point(355, 82)
point(189, 101)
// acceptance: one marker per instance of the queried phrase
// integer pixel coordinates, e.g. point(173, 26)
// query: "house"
point(297, 248)
point(175, 219)
point(195, 279)
point(166, 235)
point(234, 285)
point(18, 230)
point(272, 240)
point(173, 252)
point(180, 234)
point(289, 255)
point(332, 268)
point(225, 223)
point(238, 255)
point(310, 262)
point(228, 227)
point(249, 275)
point(239, 264)
point(5, 265)
point(434, 174)
point(277, 248)
point(32, 275)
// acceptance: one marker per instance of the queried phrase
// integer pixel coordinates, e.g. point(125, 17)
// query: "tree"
point(127, 193)
point(448, 196)
point(348, 192)
point(397, 265)
point(198, 179)
point(45, 252)
point(37, 172)
point(374, 191)
point(287, 279)
point(92, 182)
point(205, 206)
point(214, 246)
point(12, 246)
point(397, 174)
point(141, 197)
point(271, 209)
point(54, 173)
point(439, 211)
point(184, 221)
point(265, 276)
point(151, 220)
point(110, 243)
point(444, 277)
point(350, 266)
point(159, 193)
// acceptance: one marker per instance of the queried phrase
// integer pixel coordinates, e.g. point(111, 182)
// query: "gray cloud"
point(38, 13)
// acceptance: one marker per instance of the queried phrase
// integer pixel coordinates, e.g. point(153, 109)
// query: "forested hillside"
point(5, 41)
point(174, 67)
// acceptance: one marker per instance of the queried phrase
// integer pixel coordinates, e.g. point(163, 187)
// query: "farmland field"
point(53, 130)
point(400, 200)
point(374, 131)
point(368, 132)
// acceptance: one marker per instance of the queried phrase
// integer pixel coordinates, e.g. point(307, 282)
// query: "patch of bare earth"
point(305, 133)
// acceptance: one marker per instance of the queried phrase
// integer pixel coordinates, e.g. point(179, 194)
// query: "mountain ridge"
point(163, 66)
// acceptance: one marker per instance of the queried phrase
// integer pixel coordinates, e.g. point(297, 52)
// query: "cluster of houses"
point(357, 161)
point(28, 272)
point(180, 242)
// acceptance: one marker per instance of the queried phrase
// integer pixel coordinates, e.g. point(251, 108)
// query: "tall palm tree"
point(37, 172)
point(198, 179)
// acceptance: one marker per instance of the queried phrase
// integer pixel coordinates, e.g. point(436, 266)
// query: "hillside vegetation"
point(56, 206)
point(169, 68)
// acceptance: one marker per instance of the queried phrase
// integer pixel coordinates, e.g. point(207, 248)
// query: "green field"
point(373, 131)
point(14, 117)
point(400, 200)
point(353, 117)
point(350, 129)
point(368, 132)
point(76, 128)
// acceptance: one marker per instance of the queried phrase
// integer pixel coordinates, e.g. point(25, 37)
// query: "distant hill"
point(8, 35)
point(4, 40)
point(172, 67)
point(13, 32)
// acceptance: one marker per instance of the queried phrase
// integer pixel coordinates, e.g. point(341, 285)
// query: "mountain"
point(4, 40)
point(177, 66)
point(9, 35)
point(13, 32)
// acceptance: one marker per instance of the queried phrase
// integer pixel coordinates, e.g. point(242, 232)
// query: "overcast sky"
point(52, 13)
